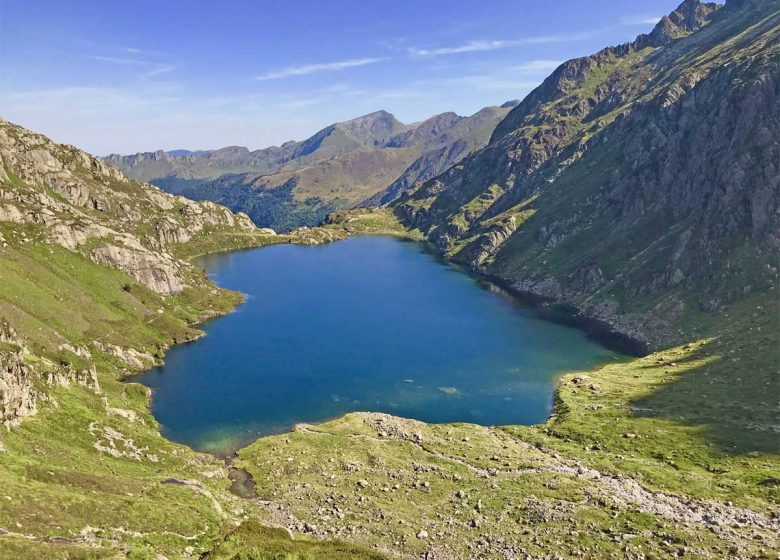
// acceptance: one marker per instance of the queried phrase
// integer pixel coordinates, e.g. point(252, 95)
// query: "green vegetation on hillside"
point(637, 186)
point(644, 457)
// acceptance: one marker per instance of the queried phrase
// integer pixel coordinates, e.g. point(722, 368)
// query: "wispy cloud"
point(639, 20)
point(153, 68)
point(298, 103)
point(118, 60)
point(145, 52)
point(312, 68)
point(161, 69)
point(484, 45)
point(471, 46)
point(535, 66)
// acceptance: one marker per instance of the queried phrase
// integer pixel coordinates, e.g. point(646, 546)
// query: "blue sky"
point(115, 76)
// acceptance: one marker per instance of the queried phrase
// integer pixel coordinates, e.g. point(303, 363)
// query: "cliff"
point(638, 185)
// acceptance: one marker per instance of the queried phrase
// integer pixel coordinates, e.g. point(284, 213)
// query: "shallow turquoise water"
point(371, 324)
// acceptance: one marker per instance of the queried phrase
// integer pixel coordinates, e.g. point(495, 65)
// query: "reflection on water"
point(373, 324)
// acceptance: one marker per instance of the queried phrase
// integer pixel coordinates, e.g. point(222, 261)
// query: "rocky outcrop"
point(84, 204)
point(487, 244)
point(134, 359)
point(158, 271)
point(23, 386)
point(18, 396)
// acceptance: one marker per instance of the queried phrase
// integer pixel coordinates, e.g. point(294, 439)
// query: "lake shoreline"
point(533, 308)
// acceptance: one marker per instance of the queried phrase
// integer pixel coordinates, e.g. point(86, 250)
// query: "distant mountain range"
point(343, 165)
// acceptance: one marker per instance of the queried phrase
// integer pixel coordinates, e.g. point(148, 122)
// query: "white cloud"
point(535, 66)
point(161, 69)
point(639, 20)
point(483, 45)
point(471, 46)
point(312, 68)
point(154, 68)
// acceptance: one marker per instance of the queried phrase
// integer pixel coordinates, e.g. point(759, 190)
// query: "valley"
point(316, 338)
point(364, 161)
point(635, 193)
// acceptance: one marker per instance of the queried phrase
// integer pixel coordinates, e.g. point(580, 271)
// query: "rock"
point(133, 358)
point(423, 534)
point(158, 271)
point(134, 239)
point(18, 396)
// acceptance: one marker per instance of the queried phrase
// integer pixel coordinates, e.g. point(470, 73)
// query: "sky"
point(121, 77)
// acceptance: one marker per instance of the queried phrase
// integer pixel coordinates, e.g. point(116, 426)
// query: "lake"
point(366, 324)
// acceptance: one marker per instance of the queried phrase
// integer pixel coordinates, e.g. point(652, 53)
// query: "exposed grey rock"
point(18, 396)
point(81, 200)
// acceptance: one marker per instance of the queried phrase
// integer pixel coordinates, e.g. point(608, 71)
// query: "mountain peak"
point(373, 129)
point(688, 17)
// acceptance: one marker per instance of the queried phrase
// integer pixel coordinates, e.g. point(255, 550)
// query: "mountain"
point(342, 165)
point(95, 284)
point(366, 132)
point(445, 140)
point(638, 185)
point(636, 192)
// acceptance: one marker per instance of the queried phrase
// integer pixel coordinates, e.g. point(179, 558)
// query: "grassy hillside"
point(83, 469)
point(621, 170)
point(646, 458)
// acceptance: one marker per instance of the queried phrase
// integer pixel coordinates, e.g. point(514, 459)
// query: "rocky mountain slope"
point(95, 285)
point(638, 185)
point(621, 169)
point(299, 183)
point(88, 206)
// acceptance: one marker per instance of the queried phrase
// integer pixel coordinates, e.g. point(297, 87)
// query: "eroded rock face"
point(22, 386)
point(158, 271)
point(486, 245)
point(18, 397)
point(82, 201)
point(133, 358)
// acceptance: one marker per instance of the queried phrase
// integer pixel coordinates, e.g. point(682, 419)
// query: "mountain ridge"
point(492, 210)
point(341, 165)
point(644, 192)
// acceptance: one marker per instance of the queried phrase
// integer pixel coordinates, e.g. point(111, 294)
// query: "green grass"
point(376, 221)
point(252, 541)
point(661, 425)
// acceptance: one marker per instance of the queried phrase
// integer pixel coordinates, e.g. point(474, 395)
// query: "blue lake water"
point(369, 324)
